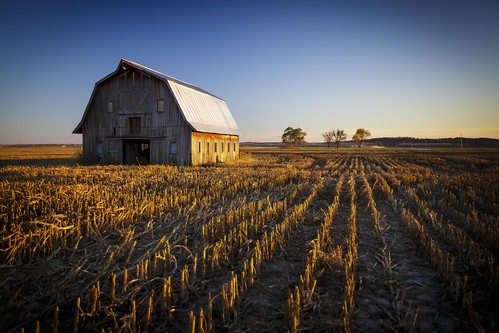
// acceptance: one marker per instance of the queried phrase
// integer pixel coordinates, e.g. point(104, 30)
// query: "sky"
point(427, 69)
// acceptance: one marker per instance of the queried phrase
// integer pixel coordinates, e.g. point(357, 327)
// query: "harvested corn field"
point(299, 241)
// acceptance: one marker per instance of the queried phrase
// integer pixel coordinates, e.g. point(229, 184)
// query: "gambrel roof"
point(203, 111)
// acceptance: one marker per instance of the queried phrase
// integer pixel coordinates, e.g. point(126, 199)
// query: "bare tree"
point(328, 137)
point(361, 135)
point(339, 137)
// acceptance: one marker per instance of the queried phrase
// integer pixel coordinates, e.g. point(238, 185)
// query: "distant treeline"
point(43, 145)
point(402, 142)
point(444, 142)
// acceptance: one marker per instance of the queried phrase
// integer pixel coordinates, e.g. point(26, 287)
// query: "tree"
point(337, 136)
point(293, 136)
point(328, 137)
point(361, 135)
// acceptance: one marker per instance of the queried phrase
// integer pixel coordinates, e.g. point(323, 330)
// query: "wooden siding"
point(204, 151)
point(134, 95)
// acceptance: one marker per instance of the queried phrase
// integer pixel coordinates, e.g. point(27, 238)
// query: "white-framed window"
point(160, 105)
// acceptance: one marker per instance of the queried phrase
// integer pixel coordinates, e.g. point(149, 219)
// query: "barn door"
point(136, 151)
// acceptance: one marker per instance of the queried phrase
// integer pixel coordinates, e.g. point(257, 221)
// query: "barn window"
point(135, 125)
point(207, 147)
point(228, 146)
point(173, 148)
point(99, 148)
point(199, 147)
point(222, 146)
point(109, 106)
point(160, 105)
point(234, 147)
point(99, 151)
point(215, 147)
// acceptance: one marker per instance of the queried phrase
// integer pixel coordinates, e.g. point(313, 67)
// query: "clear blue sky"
point(397, 68)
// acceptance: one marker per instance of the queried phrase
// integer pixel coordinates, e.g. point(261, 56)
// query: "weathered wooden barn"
point(139, 115)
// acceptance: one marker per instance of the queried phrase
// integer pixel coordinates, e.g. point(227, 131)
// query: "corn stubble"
point(164, 248)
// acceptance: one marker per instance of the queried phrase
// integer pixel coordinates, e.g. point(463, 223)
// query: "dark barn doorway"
point(136, 151)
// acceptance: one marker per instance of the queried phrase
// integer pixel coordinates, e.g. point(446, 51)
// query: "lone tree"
point(337, 136)
point(293, 136)
point(361, 135)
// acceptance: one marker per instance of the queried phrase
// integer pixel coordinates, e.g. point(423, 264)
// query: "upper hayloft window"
point(160, 105)
point(135, 125)
point(109, 107)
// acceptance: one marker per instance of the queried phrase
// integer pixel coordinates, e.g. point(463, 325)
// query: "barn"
point(139, 115)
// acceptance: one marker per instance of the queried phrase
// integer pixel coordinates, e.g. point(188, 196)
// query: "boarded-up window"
point(160, 105)
point(135, 125)
point(173, 148)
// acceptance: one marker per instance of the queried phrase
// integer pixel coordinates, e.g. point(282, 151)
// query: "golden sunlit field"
point(358, 240)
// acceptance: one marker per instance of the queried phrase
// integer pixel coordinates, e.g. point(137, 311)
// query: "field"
point(300, 241)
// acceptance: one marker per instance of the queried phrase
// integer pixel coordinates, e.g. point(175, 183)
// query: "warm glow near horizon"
point(423, 69)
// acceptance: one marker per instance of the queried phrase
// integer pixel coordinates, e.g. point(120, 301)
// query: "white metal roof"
point(205, 113)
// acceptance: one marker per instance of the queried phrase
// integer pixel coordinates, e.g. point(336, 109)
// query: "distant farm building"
point(139, 115)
